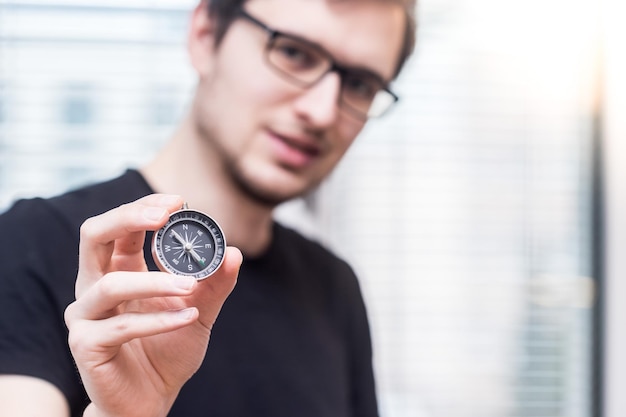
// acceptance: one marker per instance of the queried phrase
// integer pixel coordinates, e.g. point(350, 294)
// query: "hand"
point(138, 336)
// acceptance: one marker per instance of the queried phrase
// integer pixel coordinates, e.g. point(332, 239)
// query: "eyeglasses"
point(363, 93)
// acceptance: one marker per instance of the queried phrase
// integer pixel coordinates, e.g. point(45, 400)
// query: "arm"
point(29, 396)
point(138, 336)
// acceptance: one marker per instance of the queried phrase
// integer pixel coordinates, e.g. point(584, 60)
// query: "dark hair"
point(225, 11)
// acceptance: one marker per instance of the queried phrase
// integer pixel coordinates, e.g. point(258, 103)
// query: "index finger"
point(120, 230)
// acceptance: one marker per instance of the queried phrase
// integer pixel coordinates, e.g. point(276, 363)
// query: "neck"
point(189, 167)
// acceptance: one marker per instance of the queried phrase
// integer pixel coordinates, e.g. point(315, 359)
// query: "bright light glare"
point(550, 45)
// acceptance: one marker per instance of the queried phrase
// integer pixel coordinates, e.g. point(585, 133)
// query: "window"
point(77, 107)
point(164, 106)
point(466, 212)
point(82, 115)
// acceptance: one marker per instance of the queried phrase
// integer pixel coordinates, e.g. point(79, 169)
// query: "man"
point(284, 87)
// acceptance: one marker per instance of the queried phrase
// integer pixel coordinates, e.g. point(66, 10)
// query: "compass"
point(191, 243)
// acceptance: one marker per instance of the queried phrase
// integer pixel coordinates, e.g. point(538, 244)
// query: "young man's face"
point(277, 140)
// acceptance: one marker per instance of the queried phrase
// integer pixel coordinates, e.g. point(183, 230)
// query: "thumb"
point(213, 291)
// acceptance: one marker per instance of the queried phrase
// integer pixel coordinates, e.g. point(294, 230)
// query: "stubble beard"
point(261, 194)
point(245, 181)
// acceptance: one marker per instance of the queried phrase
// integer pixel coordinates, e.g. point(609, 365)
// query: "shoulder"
point(68, 211)
point(320, 272)
point(315, 261)
point(294, 245)
point(78, 205)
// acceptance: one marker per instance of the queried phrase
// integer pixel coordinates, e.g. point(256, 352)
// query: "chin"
point(269, 196)
point(272, 187)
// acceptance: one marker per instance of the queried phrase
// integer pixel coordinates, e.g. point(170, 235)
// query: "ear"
point(201, 41)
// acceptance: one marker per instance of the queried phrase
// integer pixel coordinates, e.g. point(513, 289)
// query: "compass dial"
point(191, 243)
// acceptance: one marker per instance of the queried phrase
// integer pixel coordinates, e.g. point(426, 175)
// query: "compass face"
point(191, 243)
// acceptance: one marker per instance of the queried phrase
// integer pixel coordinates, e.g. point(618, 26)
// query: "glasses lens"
point(297, 59)
point(359, 90)
point(383, 101)
point(362, 92)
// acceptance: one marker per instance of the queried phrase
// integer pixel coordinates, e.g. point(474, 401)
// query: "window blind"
point(466, 212)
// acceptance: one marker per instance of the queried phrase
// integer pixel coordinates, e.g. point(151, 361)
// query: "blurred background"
point(484, 215)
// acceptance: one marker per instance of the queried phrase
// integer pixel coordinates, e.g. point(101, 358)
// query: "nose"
point(319, 104)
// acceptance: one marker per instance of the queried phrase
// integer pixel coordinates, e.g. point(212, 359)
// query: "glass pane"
point(466, 211)
point(97, 99)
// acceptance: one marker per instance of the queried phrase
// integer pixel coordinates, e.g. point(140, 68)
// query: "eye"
point(293, 55)
point(361, 87)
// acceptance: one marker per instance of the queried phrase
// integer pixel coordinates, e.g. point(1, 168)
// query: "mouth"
point(295, 151)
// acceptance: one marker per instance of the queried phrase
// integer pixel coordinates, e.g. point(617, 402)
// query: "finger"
point(152, 209)
point(87, 336)
point(211, 293)
point(100, 300)
point(127, 225)
point(148, 213)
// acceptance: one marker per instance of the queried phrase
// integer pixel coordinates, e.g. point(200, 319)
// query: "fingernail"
point(184, 283)
point(169, 199)
point(154, 213)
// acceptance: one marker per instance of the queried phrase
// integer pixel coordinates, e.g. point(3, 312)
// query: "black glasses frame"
point(341, 70)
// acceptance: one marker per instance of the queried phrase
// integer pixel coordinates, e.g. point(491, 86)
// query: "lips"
point(295, 151)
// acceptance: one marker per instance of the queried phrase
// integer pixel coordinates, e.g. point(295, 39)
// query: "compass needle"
point(196, 257)
point(189, 238)
point(179, 238)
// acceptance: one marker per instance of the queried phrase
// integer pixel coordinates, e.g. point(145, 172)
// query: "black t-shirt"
point(291, 340)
